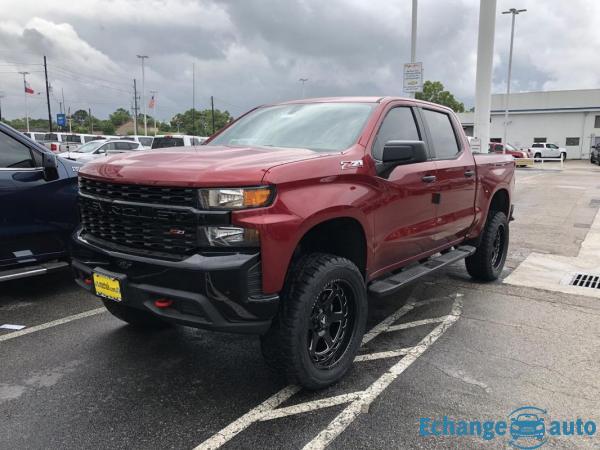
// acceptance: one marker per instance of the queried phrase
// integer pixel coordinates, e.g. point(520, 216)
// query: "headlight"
point(236, 198)
point(228, 237)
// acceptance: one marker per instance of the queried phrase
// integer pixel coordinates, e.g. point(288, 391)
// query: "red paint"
point(400, 222)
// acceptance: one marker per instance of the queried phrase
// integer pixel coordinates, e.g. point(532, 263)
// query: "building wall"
point(555, 127)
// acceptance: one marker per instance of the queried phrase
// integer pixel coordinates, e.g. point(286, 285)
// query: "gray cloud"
point(254, 51)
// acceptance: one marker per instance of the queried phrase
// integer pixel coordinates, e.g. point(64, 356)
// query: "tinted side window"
point(13, 154)
point(165, 142)
point(398, 125)
point(442, 134)
point(146, 141)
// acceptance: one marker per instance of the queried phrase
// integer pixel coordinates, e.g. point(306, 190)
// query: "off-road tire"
point(137, 318)
point(309, 278)
point(483, 265)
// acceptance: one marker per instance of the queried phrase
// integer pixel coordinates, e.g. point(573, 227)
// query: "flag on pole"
point(28, 89)
point(151, 102)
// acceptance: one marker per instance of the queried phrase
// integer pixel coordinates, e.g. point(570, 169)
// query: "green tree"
point(433, 91)
point(119, 117)
point(108, 127)
point(80, 117)
point(201, 124)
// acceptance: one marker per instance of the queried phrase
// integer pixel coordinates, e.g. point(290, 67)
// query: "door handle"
point(429, 178)
point(469, 173)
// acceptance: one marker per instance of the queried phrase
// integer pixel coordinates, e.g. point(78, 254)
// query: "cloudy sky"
point(249, 52)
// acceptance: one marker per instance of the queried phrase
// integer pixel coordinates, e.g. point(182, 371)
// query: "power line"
point(93, 77)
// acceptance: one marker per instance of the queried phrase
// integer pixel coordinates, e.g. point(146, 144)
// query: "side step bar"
point(393, 283)
point(30, 271)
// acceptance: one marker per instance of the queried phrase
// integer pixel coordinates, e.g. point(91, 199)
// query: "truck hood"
point(195, 166)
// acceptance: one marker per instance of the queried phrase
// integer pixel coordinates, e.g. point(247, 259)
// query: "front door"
point(404, 219)
point(456, 176)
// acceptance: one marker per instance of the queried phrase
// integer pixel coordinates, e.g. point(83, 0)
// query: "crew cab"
point(546, 150)
point(101, 148)
point(284, 221)
point(38, 200)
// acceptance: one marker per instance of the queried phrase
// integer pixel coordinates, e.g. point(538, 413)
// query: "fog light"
point(163, 303)
point(229, 237)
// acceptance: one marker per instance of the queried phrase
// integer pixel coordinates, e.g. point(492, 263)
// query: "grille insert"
point(587, 280)
point(136, 193)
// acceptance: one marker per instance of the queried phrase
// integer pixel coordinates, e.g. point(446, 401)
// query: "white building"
point(569, 119)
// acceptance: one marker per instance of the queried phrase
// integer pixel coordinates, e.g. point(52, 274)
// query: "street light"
point(303, 80)
point(514, 12)
point(143, 57)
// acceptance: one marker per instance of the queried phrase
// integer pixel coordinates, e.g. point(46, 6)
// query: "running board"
point(393, 283)
point(30, 271)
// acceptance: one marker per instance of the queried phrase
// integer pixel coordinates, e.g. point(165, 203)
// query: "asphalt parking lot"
point(76, 377)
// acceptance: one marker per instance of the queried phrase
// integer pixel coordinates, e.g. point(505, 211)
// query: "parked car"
point(287, 218)
point(38, 137)
point(177, 140)
point(71, 142)
point(38, 201)
point(146, 141)
point(546, 150)
point(104, 147)
point(53, 141)
point(595, 154)
point(496, 147)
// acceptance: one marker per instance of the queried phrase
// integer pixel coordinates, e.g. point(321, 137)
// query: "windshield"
point(511, 148)
point(89, 147)
point(315, 126)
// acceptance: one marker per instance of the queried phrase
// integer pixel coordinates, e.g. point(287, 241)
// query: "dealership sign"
point(413, 77)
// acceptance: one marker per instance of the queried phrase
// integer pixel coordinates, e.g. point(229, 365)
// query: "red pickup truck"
point(283, 222)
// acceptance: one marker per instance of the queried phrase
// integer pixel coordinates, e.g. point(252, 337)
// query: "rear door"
point(456, 175)
point(404, 218)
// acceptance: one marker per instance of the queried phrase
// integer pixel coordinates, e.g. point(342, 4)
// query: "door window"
point(398, 125)
point(13, 154)
point(442, 134)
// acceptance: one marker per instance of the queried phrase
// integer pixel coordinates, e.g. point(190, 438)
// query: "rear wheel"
point(321, 322)
point(563, 156)
point(487, 262)
point(537, 156)
point(137, 318)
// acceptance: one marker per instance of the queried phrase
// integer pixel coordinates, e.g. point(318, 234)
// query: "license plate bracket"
point(108, 285)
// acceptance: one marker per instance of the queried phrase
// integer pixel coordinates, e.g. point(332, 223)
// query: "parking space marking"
point(352, 411)
point(54, 323)
point(416, 323)
point(359, 401)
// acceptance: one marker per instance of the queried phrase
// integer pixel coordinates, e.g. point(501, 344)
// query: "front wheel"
point(563, 156)
point(487, 262)
point(321, 322)
point(537, 156)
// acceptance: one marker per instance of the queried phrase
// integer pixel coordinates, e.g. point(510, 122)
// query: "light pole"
point(25, 94)
point(1, 97)
point(413, 38)
point(514, 12)
point(155, 108)
point(143, 57)
point(303, 80)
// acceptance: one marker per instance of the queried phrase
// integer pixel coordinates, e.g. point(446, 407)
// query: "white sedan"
point(96, 149)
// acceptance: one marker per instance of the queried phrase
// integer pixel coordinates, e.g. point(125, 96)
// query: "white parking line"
point(54, 323)
point(352, 411)
point(416, 323)
point(359, 400)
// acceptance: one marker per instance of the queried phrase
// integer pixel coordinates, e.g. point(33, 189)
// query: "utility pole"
point(212, 109)
point(143, 57)
point(135, 108)
point(47, 95)
point(303, 80)
point(155, 108)
point(70, 120)
point(91, 121)
point(1, 97)
point(413, 38)
point(25, 94)
point(194, 99)
point(514, 12)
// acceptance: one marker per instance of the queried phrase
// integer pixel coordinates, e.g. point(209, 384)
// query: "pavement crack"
point(461, 376)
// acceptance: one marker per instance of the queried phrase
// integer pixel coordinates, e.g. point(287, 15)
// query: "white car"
point(38, 137)
point(546, 150)
point(146, 141)
point(70, 142)
point(177, 140)
point(96, 149)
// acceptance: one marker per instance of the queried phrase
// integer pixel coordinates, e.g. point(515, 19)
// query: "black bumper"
point(215, 292)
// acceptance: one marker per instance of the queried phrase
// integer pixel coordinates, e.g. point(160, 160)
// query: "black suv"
point(38, 195)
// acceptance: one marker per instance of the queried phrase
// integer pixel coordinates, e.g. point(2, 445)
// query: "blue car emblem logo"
point(527, 427)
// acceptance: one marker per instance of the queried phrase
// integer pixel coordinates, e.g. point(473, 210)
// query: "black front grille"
point(136, 228)
point(156, 195)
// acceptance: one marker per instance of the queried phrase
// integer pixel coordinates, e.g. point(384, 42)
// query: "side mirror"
point(404, 152)
point(396, 153)
point(50, 166)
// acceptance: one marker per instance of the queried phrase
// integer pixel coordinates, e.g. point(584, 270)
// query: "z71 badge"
point(351, 164)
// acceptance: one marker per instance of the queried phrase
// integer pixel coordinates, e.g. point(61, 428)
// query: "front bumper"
point(216, 292)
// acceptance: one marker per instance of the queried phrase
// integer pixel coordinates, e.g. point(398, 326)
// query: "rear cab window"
point(167, 141)
point(443, 135)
